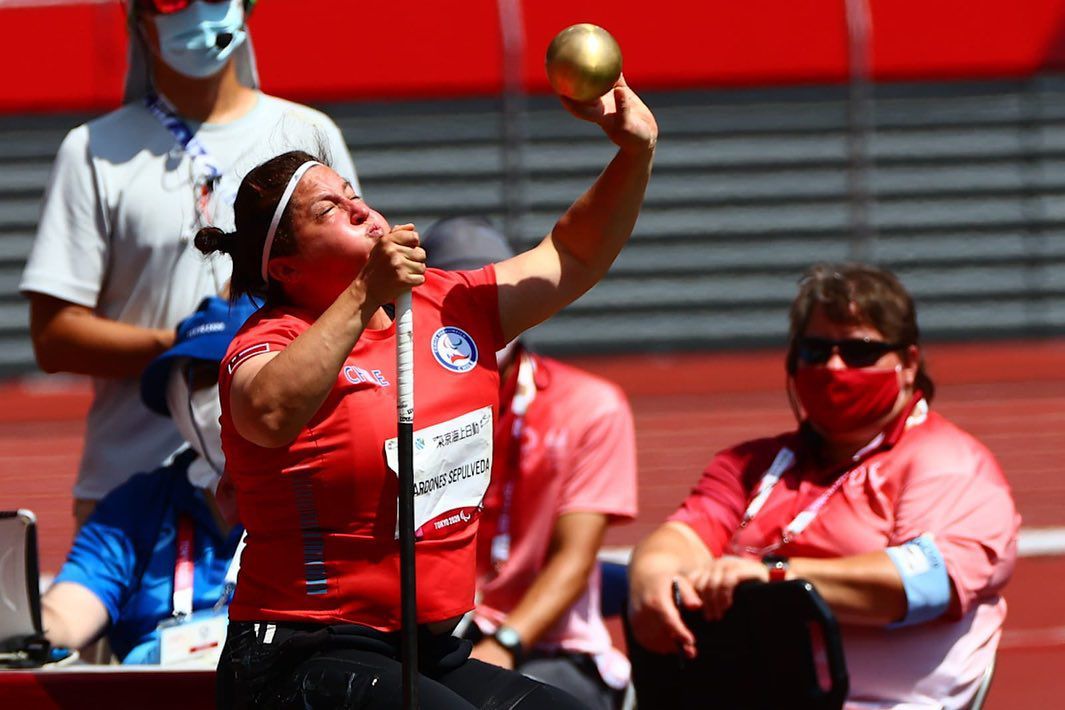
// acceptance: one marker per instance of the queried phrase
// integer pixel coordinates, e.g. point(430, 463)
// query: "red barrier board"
point(72, 56)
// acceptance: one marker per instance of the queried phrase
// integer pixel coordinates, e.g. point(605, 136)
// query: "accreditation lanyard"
point(784, 460)
point(524, 395)
point(184, 567)
point(207, 170)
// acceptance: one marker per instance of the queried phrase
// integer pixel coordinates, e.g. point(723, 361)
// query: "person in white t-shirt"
point(113, 268)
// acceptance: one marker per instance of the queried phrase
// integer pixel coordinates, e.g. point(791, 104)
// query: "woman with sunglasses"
point(904, 523)
point(113, 268)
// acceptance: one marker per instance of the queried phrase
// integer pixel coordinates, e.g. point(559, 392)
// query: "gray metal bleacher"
point(750, 186)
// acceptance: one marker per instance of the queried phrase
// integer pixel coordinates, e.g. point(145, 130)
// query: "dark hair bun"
point(211, 239)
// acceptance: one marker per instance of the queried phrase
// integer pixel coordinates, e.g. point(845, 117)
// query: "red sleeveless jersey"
point(321, 512)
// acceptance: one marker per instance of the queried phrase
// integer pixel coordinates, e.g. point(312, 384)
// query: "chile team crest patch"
point(454, 349)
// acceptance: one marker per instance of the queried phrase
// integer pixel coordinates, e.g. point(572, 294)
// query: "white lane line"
point(1033, 542)
point(1041, 541)
point(1032, 638)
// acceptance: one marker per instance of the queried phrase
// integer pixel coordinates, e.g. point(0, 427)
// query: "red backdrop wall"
point(62, 57)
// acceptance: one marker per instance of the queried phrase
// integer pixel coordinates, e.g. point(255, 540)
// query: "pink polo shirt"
point(578, 454)
point(927, 476)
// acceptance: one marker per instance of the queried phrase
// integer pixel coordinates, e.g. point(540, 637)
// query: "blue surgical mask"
point(199, 40)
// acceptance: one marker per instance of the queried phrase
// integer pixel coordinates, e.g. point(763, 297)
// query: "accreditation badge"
point(452, 470)
point(193, 641)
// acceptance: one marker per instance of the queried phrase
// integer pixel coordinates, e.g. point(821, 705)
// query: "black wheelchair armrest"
point(761, 654)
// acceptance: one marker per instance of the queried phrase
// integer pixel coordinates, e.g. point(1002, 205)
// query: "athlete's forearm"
point(275, 404)
point(598, 224)
point(595, 228)
point(578, 251)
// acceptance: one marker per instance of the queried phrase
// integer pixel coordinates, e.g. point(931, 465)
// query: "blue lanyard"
point(183, 135)
point(202, 162)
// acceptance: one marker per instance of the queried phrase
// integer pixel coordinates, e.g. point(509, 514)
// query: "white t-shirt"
point(116, 235)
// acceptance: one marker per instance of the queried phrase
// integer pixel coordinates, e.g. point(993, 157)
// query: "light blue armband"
point(924, 577)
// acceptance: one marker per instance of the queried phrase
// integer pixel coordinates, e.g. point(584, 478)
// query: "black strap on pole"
point(408, 587)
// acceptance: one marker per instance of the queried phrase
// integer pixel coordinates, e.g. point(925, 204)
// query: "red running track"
point(1011, 395)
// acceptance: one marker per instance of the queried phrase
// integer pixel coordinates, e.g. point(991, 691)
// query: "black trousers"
point(283, 665)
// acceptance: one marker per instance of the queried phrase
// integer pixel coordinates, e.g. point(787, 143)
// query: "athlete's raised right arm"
point(580, 248)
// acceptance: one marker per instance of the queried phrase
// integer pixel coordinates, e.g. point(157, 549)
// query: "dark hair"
point(858, 294)
point(260, 192)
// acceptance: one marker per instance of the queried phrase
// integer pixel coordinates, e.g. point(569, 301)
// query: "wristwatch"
point(509, 639)
point(777, 566)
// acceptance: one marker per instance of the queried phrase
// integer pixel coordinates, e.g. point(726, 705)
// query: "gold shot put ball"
point(583, 62)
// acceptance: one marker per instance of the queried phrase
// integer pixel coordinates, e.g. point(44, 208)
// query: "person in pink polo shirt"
point(564, 469)
point(903, 522)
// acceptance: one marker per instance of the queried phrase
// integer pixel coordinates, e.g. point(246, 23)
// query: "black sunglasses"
point(855, 352)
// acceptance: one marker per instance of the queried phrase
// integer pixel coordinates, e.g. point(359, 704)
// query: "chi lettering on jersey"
point(357, 376)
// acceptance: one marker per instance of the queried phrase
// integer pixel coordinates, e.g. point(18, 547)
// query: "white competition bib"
point(452, 469)
point(194, 641)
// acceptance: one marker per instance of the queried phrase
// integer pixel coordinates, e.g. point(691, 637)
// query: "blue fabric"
point(125, 555)
point(205, 335)
point(924, 577)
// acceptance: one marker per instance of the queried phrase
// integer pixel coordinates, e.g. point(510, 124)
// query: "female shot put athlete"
point(308, 426)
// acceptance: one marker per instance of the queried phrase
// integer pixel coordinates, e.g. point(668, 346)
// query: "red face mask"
point(845, 400)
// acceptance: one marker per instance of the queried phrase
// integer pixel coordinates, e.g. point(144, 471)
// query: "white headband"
point(285, 197)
